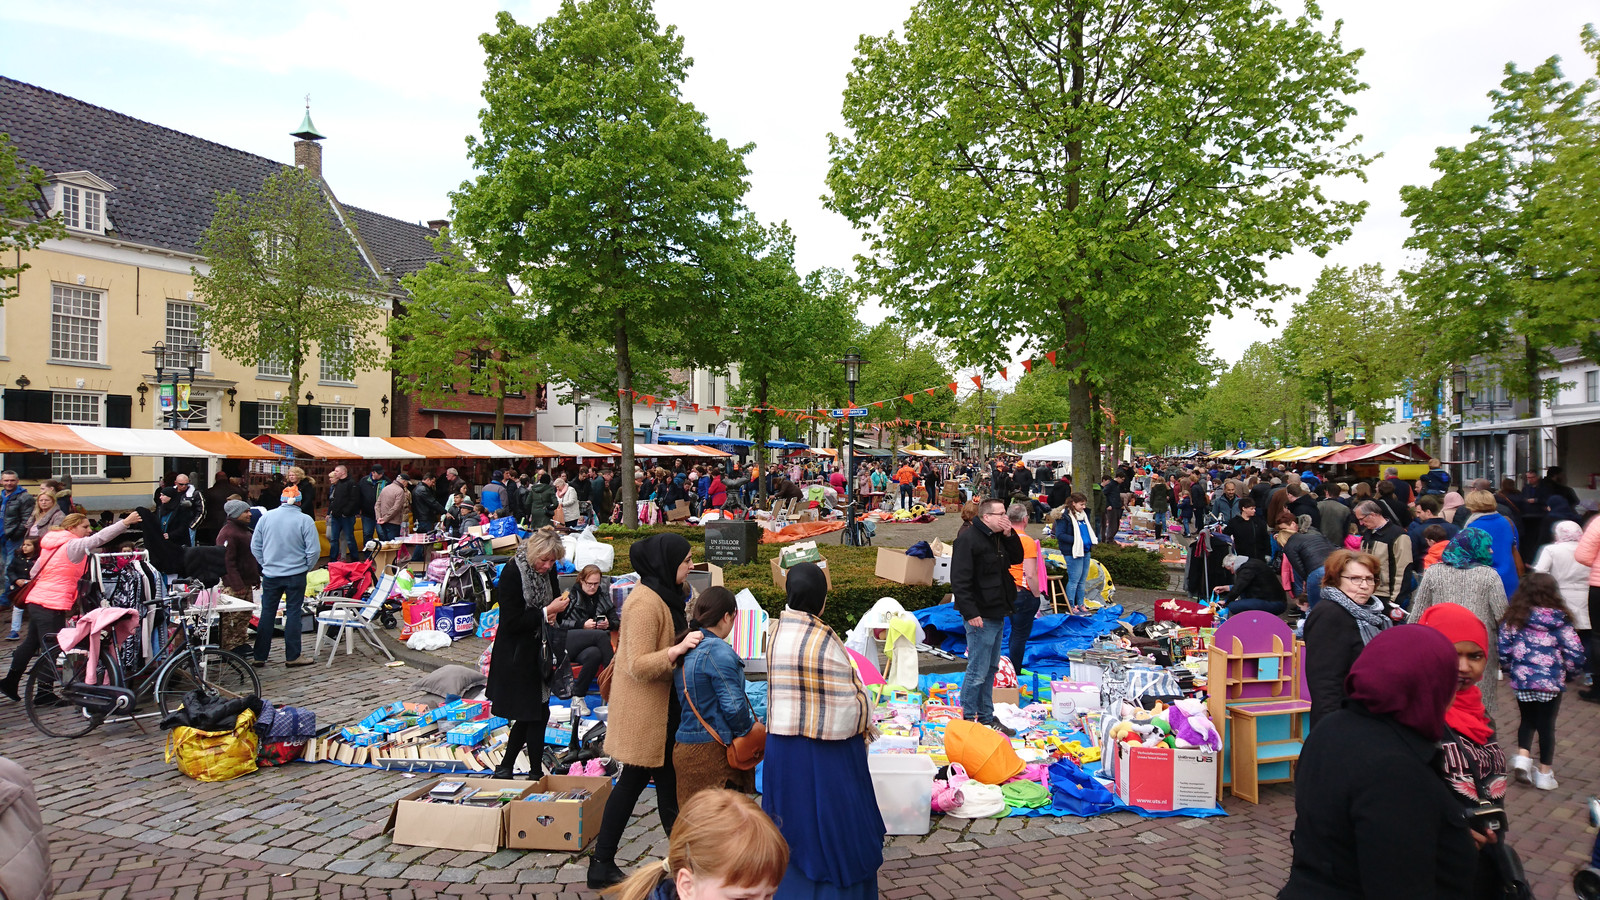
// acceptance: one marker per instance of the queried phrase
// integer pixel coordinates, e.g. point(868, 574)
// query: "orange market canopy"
point(98, 440)
point(674, 450)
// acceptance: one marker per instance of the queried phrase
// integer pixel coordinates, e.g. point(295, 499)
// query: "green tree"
point(1349, 342)
point(1039, 396)
point(783, 334)
point(1476, 283)
point(1098, 175)
point(603, 190)
point(458, 331)
point(1248, 401)
point(20, 230)
point(285, 277)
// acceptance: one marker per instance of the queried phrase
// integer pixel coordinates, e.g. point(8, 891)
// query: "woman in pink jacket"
point(1588, 553)
point(63, 557)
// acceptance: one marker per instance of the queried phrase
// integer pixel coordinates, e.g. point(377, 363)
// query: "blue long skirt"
point(820, 795)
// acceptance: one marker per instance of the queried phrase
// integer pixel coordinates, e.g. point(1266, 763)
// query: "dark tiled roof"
point(166, 181)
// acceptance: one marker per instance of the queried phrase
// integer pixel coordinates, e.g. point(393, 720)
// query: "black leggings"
point(625, 794)
point(591, 649)
point(517, 739)
point(41, 621)
point(1540, 717)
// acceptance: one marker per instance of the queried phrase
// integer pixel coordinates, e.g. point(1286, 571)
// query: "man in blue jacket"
point(287, 546)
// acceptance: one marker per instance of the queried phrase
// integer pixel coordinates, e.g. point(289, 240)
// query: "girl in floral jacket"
point(1539, 648)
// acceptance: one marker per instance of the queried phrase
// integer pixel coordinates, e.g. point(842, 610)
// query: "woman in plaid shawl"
point(816, 783)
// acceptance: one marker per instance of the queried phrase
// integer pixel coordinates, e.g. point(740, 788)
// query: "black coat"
point(1332, 644)
point(1373, 819)
point(369, 488)
point(517, 662)
point(1306, 505)
point(425, 507)
point(1255, 579)
point(980, 572)
point(1250, 537)
point(344, 500)
point(1307, 551)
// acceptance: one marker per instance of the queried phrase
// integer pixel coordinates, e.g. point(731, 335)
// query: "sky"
point(394, 86)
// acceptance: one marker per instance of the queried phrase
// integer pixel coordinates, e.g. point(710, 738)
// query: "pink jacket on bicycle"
point(62, 559)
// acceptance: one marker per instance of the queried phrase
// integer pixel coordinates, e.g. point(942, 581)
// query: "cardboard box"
point(780, 574)
point(805, 551)
point(895, 565)
point(509, 542)
point(678, 512)
point(807, 515)
point(704, 576)
point(1012, 696)
point(941, 570)
point(557, 824)
point(1161, 780)
point(478, 829)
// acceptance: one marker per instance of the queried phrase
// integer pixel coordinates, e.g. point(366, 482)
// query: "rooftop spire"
point(308, 131)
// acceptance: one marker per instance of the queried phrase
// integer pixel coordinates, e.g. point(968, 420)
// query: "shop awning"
point(9, 445)
point(703, 440)
point(370, 447)
point(51, 438)
point(787, 445)
point(482, 449)
point(531, 449)
point(305, 445)
point(429, 448)
point(226, 445)
point(588, 449)
point(925, 453)
point(1320, 455)
point(819, 451)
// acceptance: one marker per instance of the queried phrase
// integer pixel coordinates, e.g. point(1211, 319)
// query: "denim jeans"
point(983, 661)
point(906, 500)
point(1256, 604)
point(8, 550)
point(342, 527)
point(1313, 587)
point(1160, 521)
point(369, 530)
point(1077, 574)
point(291, 589)
point(1022, 626)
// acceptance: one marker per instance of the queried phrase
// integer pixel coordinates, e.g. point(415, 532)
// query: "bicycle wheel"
point(42, 702)
point(219, 671)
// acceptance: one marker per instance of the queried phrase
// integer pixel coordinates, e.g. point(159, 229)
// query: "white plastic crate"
point(904, 787)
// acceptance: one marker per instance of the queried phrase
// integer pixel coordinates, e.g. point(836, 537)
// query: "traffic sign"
point(1244, 445)
point(851, 413)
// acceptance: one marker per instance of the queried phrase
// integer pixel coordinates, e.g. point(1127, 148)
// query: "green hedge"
point(1132, 567)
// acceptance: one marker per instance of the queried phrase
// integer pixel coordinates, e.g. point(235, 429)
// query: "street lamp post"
point(852, 376)
point(993, 407)
point(181, 361)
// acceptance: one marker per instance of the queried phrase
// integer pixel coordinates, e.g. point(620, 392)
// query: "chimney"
point(307, 152)
point(439, 226)
point(308, 156)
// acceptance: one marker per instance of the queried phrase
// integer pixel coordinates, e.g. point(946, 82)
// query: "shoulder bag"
point(19, 595)
point(748, 749)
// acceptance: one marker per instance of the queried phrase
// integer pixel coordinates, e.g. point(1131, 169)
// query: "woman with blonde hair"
point(296, 481)
point(516, 688)
point(723, 846)
point(1486, 516)
point(47, 515)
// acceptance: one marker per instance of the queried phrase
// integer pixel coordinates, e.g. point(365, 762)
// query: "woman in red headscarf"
point(1471, 760)
point(1372, 817)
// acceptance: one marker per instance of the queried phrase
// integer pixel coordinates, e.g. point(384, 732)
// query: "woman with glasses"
point(581, 621)
point(1340, 627)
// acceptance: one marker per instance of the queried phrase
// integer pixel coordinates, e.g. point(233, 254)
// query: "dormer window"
point(80, 201)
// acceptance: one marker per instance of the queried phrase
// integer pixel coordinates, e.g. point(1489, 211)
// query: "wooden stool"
point(1057, 592)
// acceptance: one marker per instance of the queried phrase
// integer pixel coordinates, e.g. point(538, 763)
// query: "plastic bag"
point(415, 615)
point(489, 623)
point(584, 549)
point(215, 755)
point(428, 640)
point(502, 527)
point(483, 659)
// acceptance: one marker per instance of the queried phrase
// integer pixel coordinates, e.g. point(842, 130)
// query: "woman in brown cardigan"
point(644, 710)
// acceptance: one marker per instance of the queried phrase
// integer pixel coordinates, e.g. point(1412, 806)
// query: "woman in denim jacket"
point(710, 685)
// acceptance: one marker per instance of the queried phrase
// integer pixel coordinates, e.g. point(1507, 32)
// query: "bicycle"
point(61, 703)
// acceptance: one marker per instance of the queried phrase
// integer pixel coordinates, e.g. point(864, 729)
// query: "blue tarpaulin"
point(1053, 636)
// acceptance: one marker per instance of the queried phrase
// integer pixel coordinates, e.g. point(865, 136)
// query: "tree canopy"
point(19, 229)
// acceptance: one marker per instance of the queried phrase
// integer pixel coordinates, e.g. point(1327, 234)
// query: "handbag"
point(748, 749)
point(19, 596)
point(1513, 880)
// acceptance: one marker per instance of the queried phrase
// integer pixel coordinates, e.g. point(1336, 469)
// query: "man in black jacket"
point(985, 595)
point(425, 506)
point(1249, 532)
point(344, 504)
point(1000, 483)
point(1199, 503)
point(1022, 482)
point(369, 487)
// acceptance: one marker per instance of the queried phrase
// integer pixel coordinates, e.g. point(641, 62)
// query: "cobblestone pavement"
point(126, 824)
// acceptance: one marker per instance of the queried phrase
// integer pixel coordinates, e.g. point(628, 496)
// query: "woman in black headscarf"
point(643, 713)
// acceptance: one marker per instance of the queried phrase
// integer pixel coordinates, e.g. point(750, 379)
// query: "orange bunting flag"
point(977, 381)
point(1051, 356)
point(952, 386)
point(1003, 374)
point(649, 400)
point(909, 398)
point(674, 405)
point(879, 404)
point(782, 413)
point(718, 409)
point(1027, 365)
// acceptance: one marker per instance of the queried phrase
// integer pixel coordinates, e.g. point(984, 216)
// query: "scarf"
point(1369, 620)
point(1408, 674)
point(656, 559)
point(1470, 548)
point(1466, 715)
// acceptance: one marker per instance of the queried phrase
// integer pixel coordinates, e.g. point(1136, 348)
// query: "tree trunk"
point(1333, 421)
point(1530, 362)
point(499, 411)
point(761, 441)
point(1080, 396)
point(628, 494)
point(291, 411)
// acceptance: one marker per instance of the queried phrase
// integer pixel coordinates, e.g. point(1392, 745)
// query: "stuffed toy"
point(1191, 725)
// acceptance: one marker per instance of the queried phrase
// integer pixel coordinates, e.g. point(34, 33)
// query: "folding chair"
point(352, 616)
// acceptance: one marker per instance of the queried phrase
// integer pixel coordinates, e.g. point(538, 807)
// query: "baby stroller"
point(469, 577)
point(352, 580)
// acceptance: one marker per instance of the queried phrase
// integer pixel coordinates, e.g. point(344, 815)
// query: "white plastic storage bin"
point(903, 784)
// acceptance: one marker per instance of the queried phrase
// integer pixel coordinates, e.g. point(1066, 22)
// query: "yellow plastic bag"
point(216, 755)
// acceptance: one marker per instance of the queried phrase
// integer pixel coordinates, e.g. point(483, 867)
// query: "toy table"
point(1262, 734)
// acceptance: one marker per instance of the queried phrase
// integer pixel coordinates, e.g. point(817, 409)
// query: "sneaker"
point(1522, 769)
point(1545, 781)
point(259, 663)
point(995, 724)
point(300, 661)
point(14, 636)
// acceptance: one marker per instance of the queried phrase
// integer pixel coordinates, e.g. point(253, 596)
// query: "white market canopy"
point(1060, 451)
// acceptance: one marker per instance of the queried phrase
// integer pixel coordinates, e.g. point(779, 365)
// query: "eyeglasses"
point(591, 584)
point(1358, 579)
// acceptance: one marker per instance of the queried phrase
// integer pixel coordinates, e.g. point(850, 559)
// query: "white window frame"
point(349, 415)
point(325, 374)
point(269, 368)
point(81, 208)
point(269, 411)
point(63, 292)
point(78, 465)
point(194, 335)
point(1591, 386)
